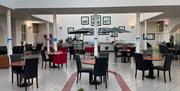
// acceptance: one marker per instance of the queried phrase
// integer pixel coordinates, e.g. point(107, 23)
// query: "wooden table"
point(150, 59)
point(89, 61)
point(54, 53)
point(18, 63)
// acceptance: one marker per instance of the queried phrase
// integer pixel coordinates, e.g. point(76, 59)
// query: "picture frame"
point(106, 20)
point(98, 20)
point(103, 31)
point(150, 36)
point(84, 20)
point(121, 28)
point(114, 34)
point(70, 29)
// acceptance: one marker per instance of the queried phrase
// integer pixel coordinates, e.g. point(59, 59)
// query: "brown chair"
point(166, 66)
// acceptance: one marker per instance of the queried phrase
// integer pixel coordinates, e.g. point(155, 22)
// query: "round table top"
point(152, 58)
point(54, 53)
point(89, 61)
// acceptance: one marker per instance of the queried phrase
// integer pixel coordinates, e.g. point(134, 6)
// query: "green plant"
point(80, 89)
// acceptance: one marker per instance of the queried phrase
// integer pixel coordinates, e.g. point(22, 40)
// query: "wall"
point(171, 23)
point(126, 20)
point(151, 28)
point(8, 3)
point(3, 32)
point(92, 3)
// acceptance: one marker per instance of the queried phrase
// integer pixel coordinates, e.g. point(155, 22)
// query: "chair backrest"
point(31, 67)
point(43, 55)
point(138, 57)
point(104, 54)
point(16, 57)
point(71, 49)
point(78, 62)
point(60, 58)
point(100, 67)
point(168, 61)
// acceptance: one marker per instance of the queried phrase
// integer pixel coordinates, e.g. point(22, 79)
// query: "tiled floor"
point(54, 79)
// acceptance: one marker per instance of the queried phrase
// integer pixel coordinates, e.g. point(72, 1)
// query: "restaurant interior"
point(96, 45)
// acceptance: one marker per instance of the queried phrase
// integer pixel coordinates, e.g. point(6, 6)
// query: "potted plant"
point(81, 89)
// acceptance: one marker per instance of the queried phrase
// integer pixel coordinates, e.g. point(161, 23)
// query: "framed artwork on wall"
point(121, 28)
point(89, 33)
point(70, 29)
point(106, 20)
point(84, 20)
point(150, 36)
point(98, 20)
point(103, 31)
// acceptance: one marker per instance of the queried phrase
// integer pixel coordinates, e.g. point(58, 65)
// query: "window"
point(23, 32)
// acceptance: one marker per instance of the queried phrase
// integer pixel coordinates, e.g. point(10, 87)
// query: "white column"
point(138, 36)
point(95, 35)
point(145, 35)
point(48, 40)
point(55, 32)
point(9, 39)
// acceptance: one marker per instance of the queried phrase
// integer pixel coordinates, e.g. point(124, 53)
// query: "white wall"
point(172, 22)
point(151, 28)
point(90, 3)
point(3, 32)
point(8, 3)
point(126, 20)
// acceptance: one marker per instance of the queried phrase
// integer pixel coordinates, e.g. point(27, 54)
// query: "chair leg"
point(95, 82)
point(135, 73)
point(105, 79)
point(169, 74)
point(164, 76)
point(32, 80)
point(66, 65)
point(45, 64)
point(11, 76)
point(37, 82)
point(77, 77)
point(101, 78)
point(158, 73)
point(142, 75)
point(80, 76)
point(58, 66)
point(25, 82)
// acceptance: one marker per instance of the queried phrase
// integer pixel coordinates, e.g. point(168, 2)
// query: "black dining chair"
point(100, 69)
point(141, 64)
point(81, 69)
point(105, 54)
point(44, 59)
point(16, 69)
point(166, 66)
point(71, 51)
point(117, 53)
point(30, 71)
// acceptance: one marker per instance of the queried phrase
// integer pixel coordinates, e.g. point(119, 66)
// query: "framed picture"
point(114, 34)
point(103, 31)
point(70, 29)
point(150, 36)
point(84, 20)
point(160, 26)
point(106, 20)
point(98, 20)
point(121, 27)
